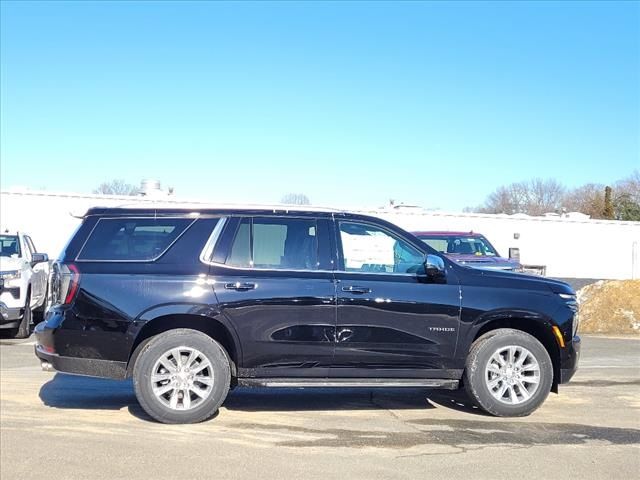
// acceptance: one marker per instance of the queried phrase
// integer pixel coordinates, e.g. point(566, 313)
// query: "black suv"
point(193, 302)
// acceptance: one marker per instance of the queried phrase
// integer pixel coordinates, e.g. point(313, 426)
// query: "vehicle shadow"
point(87, 393)
point(462, 433)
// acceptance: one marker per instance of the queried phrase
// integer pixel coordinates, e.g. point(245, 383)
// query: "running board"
point(442, 383)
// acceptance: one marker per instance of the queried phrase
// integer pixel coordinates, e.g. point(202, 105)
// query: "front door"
point(39, 279)
point(275, 286)
point(391, 322)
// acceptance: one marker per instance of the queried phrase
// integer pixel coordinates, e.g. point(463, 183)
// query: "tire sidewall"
point(158, 346)
point(24, 329)
point(476, 376)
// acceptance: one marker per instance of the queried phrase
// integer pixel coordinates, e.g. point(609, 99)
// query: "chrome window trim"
point(207, 251)
point(378, 273)
point(151, 260)
point(253, 269)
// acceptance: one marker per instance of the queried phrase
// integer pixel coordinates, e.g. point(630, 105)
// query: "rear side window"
point(132, 239)
point(275, 243)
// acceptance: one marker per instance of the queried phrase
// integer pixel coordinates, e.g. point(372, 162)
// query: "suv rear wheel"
point(508, 373)
point(181, 376)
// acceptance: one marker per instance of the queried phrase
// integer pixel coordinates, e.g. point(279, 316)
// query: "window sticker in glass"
point(367, 248)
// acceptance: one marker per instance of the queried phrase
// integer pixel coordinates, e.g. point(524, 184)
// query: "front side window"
point(132, 239)
point(367, 248)
point(275, 244)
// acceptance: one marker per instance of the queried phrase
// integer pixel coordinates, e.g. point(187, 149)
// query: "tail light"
point(65, 282)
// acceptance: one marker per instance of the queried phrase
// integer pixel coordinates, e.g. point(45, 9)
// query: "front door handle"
point(240, 286)
point(356, 289)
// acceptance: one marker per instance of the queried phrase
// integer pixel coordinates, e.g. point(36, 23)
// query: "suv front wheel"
point(508, 373)
point(181, 376)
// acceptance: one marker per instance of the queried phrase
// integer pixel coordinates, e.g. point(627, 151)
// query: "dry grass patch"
point(610, 306)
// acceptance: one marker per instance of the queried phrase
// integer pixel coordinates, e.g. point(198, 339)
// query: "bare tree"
point(626, 197)
point(629, 186)
point(537, 197)
point(295, 199)
point(533, 197)
point(116, 187)
point(544, 196)
point(587, 199)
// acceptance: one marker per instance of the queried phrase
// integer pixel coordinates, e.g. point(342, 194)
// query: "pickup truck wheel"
point(181, 376)
point(508, 373)
point(24, 329)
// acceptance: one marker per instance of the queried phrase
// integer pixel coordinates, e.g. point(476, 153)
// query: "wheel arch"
point(538, 327)
point(210, 326)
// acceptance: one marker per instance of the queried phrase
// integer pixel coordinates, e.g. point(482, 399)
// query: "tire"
point(495, 386)
point(24, 329)
point(170, 396)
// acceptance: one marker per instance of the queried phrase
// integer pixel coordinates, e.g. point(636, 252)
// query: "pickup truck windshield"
point(459, 245)
point(9, 245)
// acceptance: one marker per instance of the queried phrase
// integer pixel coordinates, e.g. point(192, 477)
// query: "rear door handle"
point(356, 289)
point(240, 286)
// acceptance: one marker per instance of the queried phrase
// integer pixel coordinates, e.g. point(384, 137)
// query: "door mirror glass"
point(39, 258)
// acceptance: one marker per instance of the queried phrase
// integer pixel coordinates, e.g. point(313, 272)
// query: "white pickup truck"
point(24, 276)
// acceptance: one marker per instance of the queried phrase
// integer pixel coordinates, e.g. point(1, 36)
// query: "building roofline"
point(177, 203)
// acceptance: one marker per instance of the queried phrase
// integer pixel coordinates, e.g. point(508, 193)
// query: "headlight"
point(568, 296)
point(10, 275)
point(11, 278)
point(572, 303)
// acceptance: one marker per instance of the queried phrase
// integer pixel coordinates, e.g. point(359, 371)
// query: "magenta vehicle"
point(470, 249)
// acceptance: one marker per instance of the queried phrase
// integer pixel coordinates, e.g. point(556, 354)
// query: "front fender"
point(501, 314)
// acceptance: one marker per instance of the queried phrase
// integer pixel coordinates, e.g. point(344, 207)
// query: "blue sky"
point(350, 103)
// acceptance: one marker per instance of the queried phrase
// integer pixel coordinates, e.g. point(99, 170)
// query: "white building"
point(569, 247)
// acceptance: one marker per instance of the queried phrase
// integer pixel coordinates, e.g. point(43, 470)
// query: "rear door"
point(274, 283)
point(391, 322)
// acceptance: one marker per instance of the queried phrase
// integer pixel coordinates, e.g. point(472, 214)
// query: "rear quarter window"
point(132, 239)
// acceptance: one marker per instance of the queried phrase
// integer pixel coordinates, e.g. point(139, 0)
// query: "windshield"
point(9, 245)
point(460, 245)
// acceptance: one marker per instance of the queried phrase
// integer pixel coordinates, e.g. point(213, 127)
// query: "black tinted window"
point(132, 238)
point(275, 243)
point(240, 254)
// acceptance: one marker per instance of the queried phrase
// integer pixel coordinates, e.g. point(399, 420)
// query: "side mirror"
point(39, 258)
point(434, 267)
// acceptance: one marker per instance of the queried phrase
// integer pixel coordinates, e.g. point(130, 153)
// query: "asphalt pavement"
point(62, 427)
